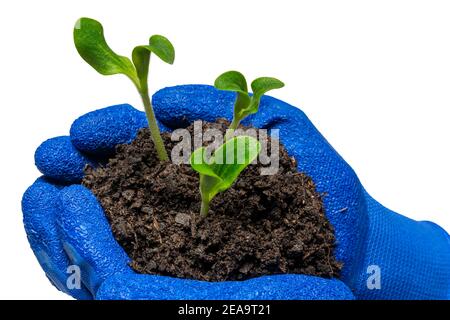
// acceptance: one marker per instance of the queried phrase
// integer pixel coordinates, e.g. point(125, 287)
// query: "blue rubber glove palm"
point(66, 225)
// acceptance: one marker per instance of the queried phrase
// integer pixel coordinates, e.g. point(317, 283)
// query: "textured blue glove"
point(66, 225)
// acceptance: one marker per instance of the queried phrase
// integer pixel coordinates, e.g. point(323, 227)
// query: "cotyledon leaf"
point(161, 47)
point(228, 161)
point(91, 45)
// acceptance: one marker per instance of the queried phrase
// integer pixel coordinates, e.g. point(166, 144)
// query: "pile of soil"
point(261, 225)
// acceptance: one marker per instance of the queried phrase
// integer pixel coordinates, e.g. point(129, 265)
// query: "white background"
point(373, 76)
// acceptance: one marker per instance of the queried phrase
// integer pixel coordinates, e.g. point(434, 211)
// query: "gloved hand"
point(412, 258)
point(66, 226)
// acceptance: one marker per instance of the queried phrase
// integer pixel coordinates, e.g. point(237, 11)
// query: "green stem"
point(204, 209)
point(233, 126)
point(154, 129)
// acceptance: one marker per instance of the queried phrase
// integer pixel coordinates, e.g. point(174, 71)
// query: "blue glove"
point(66, 226)
point(412, 258)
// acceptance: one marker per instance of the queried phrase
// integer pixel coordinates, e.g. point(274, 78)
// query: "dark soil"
point(262, 225)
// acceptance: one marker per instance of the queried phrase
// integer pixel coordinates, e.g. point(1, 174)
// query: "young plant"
point(92, 47)
point(218, 173)
point(245, 104)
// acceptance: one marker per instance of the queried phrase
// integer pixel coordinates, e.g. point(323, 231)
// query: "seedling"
point(245, 104)
point(218, 173)
point(92, 47)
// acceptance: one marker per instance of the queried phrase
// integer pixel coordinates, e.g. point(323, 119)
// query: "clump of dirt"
point(262, 225)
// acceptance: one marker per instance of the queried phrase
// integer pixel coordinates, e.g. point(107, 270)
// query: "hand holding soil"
point(85, 234)
point(365, 231)
point(141, 227)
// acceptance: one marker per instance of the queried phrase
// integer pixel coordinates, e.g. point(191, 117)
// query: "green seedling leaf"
point(260, 87)
point(244, 104)
point(91, 45)
point(162, 47)
point(201, 164)
point(221, 171)
point(265, 84)
point(235, 81)
point(232, 81)
point(158, 45)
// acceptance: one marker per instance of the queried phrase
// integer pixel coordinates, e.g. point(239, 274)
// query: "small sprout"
point(218, 173)
point(92, 47)
point(245, 104)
